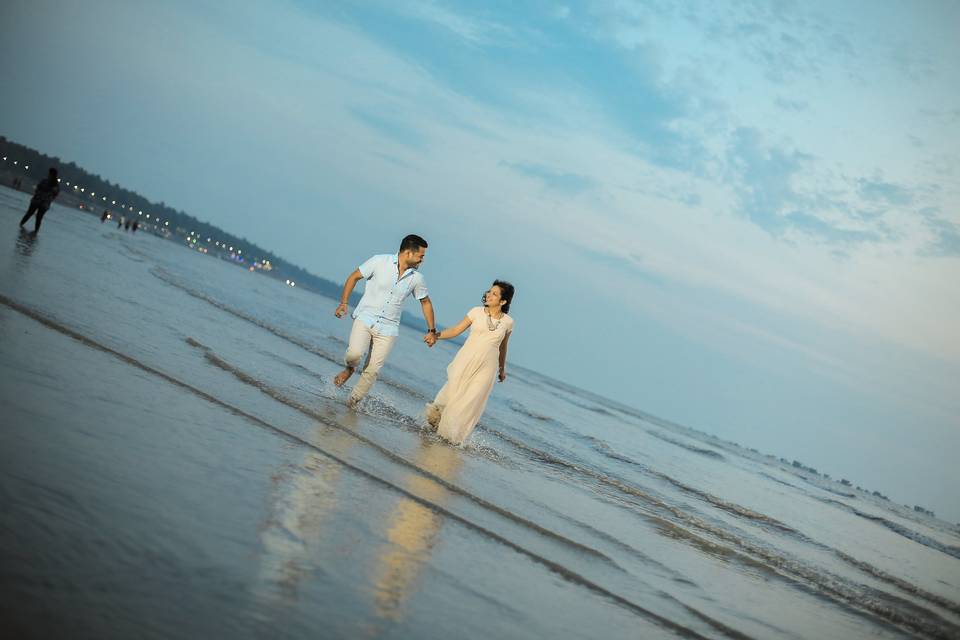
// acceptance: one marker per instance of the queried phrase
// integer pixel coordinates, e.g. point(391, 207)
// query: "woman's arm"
point(502, 375)
point(454, 331)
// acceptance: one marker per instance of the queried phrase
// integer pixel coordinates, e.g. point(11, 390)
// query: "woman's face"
point(492, 298)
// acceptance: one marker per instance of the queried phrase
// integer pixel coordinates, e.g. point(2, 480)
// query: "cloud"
point(946, 239)
point(544, 71)
point(631, 263)
point(391, 126)
point(470, 29)
point(792, 105)
point(565, 182)
point(917, 65)
point(942, 116)
point(764, 176)
point(785, 41)
point(878, 191)
point(815, 226)
point(767, 179)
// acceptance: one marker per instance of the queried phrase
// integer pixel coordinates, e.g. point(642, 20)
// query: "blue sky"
point(742, 216)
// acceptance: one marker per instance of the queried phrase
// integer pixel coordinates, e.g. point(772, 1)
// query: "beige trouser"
point(364, 339)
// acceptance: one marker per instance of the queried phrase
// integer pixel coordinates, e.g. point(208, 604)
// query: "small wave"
point(779, 481)
point(901, 584)
point(376, 407)
point(603, 448)
point(710, 453)
point(162, 275)
point(672, 521)
point(730, 507)
point(480, 447)
point(900, 529)
point(132, 254)
point(522, 410)
point(910, 534)
point(620, 485)
point(296, 366)
point(624, 547)
point(620, 458)
point(837, 492)
point(573, 391)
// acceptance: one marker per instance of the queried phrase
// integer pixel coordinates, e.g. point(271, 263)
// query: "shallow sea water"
point(175, 462)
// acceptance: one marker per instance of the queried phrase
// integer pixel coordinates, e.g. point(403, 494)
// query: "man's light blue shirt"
point(382, 301)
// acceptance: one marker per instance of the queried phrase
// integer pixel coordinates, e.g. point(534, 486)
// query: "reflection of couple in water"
point(391, 279)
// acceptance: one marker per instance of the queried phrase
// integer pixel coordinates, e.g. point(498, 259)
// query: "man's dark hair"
point(52, 172)
point(412, 243)
point(506, 293)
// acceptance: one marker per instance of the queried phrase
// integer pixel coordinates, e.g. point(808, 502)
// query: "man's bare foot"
point(343, 376)
point(352, 402)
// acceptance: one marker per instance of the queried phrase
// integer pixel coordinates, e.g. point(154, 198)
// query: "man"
point(45, 193)
point(391, 278)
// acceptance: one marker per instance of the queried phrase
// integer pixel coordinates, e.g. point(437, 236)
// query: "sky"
point(739, 216)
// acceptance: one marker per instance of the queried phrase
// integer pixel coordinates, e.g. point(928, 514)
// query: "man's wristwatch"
point(434, 331)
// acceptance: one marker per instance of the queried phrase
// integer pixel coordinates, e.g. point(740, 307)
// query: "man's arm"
point(450, 332)
point(427, 308)
point(348, 286)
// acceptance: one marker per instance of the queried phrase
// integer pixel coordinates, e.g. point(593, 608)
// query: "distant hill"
point(90, 192)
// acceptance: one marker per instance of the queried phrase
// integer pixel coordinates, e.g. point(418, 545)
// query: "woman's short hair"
point(506, 293)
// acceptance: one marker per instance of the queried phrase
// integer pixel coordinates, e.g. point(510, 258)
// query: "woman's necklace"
point(490, 325)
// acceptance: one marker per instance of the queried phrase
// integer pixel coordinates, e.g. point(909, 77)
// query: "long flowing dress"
point(470, 378)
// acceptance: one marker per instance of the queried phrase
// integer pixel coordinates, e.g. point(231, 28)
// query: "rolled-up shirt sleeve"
point(420, 288)
point(366, 269)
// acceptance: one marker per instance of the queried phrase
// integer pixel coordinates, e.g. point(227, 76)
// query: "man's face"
point(414, 258)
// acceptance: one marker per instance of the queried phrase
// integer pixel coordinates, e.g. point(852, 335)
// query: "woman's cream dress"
point(470, 378)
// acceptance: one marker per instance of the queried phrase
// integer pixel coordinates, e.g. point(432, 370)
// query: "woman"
point(460, 403)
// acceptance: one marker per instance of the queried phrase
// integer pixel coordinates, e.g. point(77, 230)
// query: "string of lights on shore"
point(193, 238)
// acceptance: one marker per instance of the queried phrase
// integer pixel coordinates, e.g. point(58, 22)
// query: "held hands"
point(430, 338)
point(341, 309)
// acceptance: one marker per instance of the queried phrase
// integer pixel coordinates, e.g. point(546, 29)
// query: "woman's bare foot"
point(433, 415)
point(343, 376)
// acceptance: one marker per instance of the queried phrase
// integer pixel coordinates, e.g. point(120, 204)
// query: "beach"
point(176, 462)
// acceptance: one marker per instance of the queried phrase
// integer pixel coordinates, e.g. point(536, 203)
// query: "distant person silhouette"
point(103, 218)
point(126, 225)
point(136, 225)
point(119, 222)
point(43, 196)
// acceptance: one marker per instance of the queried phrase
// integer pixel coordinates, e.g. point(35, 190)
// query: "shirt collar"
point(395, 259)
